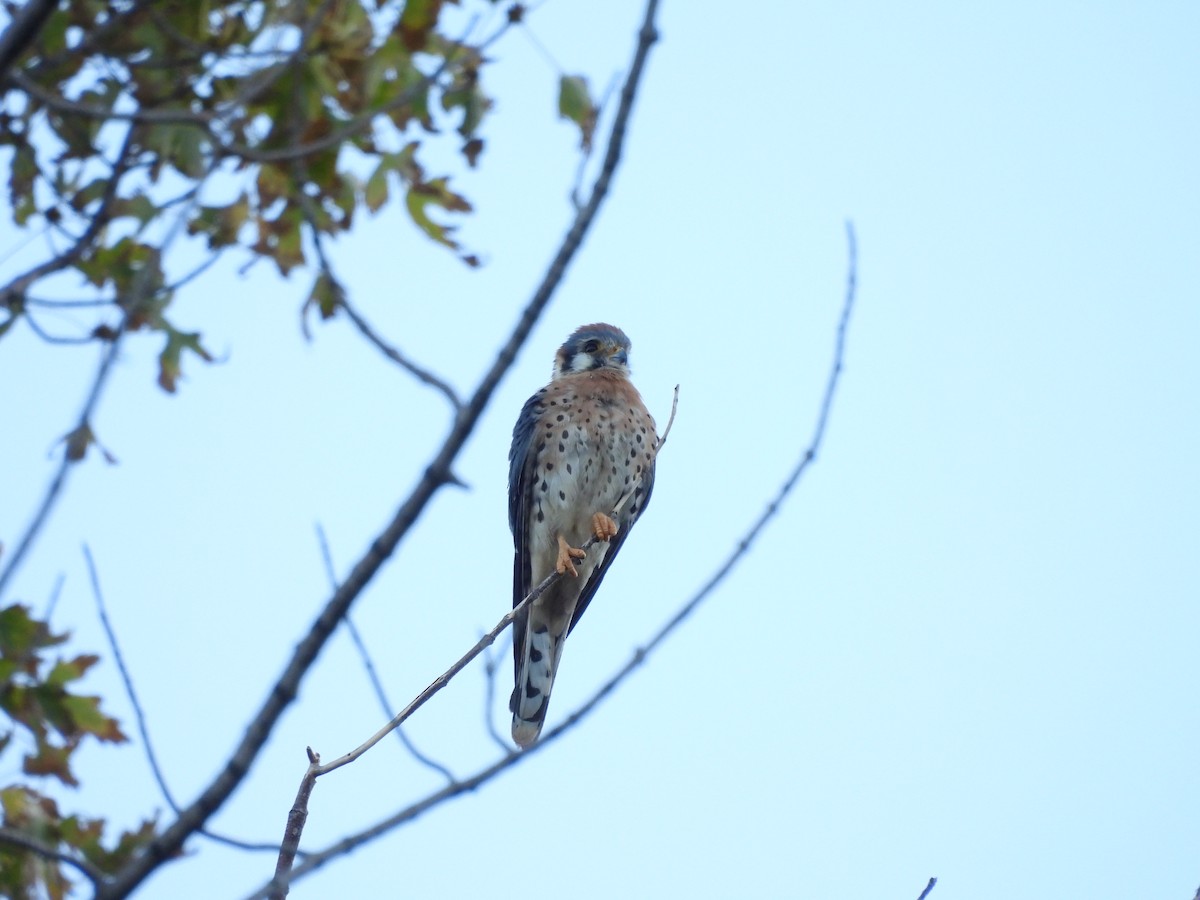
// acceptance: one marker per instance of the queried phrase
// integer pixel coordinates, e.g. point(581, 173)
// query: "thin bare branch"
point(140, 116)
point(933, 881)
point(140, 715)
point(14, 838)
point(490, 667)
point(49, 303)
point(55, 593)
point(369, 666)
point(437, 475)
point(351, 842)
point(73, 340)
point(297, 816)
point(127, 680)
point(419, 372)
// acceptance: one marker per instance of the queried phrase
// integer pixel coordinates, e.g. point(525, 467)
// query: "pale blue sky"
point(967, 647)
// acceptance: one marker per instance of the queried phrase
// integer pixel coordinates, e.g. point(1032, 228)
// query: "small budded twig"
point(933, 881)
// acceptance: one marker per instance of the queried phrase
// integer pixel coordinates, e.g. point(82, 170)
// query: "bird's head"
point(593, 347)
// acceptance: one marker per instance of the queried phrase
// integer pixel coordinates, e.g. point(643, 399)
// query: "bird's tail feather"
point(531, 696)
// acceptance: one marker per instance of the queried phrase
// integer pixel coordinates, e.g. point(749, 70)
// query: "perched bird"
point(580, 444)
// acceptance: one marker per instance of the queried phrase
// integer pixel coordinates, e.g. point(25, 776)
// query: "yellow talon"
point(566, 553)
point(603, 527)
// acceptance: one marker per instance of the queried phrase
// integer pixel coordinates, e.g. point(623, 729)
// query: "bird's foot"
point(603, 527)
point(567, 553)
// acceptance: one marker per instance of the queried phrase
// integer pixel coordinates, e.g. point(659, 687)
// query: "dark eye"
point(591, 346)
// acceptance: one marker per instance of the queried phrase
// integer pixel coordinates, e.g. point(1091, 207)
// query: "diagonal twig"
point(490, 666)
point(352, 842)
point(127, 679)
point(369, 666)
point(15, 838)
point(436, 475)
point(140, 715)
point(419, 372)
point(933, 881)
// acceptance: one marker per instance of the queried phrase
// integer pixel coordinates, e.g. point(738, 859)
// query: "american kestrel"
point(580, 444)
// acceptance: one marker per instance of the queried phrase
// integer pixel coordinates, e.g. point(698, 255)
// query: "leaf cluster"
point(46, 717)
point(116, 117)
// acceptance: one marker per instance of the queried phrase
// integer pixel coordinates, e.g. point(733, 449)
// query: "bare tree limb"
point(349, 843)
point(297, 816)
point(419, 372)
point(15, 838)
point(933, 881)
point(436, 475)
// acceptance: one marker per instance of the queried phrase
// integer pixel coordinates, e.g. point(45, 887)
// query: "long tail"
point(531, 696)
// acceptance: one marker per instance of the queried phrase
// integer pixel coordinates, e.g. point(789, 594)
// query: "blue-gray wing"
point(520, 480)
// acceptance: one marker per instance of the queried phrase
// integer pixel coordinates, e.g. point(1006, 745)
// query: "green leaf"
point(170, 361)
point(221, 224)
point(326, 294)
point(139, 207)
point(65, 671)
point(21, 177)
point(417, 20)
point(375, 193)
point(575, 103)
point(87, 718)
point(435, 193)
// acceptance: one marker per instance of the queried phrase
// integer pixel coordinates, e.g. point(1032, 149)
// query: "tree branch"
point(436, 475)
point(933, 881)
point(140, 714)
point(372, 674)
point(12, 292)
point(352, 842)
point(22, 31)
point(15, 838)
point(419, 372)
point(137, 296)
